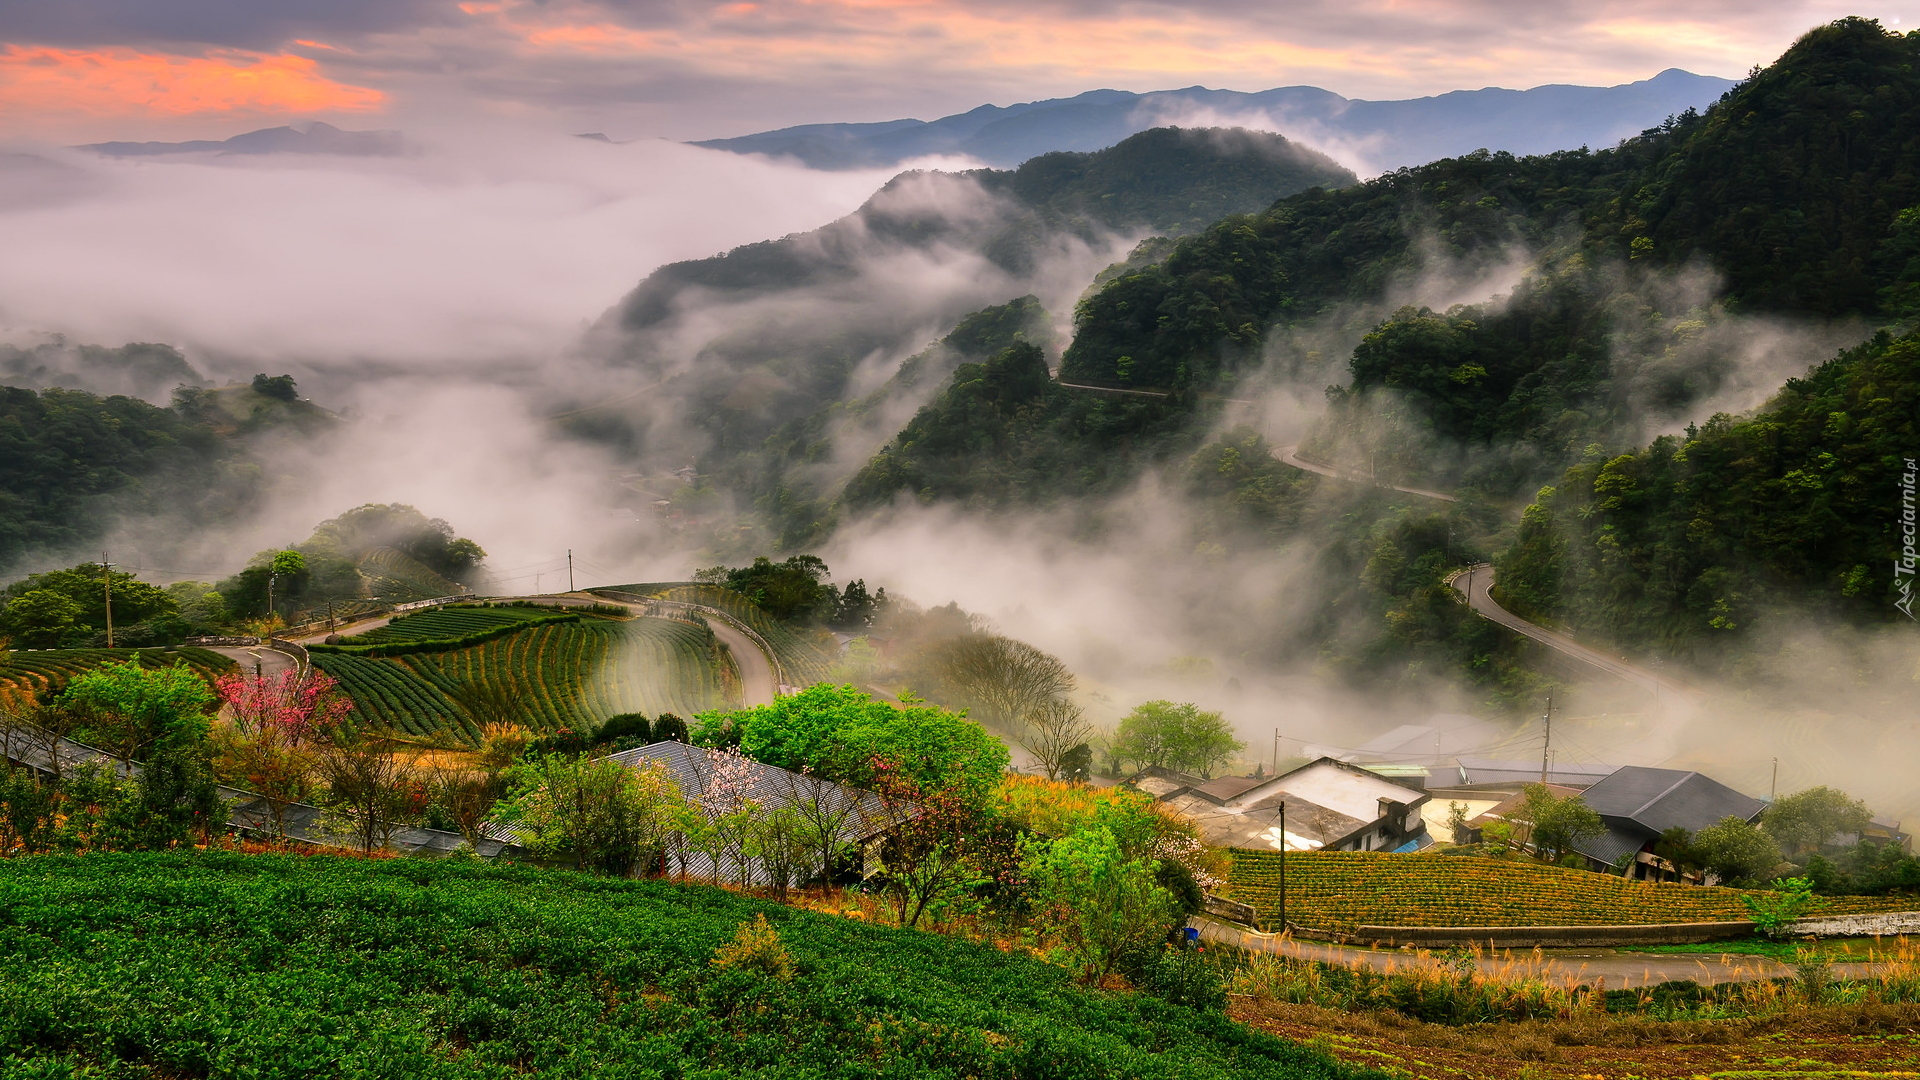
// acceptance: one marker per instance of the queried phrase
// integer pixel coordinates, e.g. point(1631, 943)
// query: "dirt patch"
point(1858, 1041)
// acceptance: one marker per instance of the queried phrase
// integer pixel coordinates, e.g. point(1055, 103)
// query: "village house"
point(1330, 806)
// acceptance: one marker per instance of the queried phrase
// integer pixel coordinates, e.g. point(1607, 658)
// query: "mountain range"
point(1373, 136)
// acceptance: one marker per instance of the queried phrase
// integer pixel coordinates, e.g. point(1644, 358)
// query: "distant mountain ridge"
point(1381, 134)
point(312, 138)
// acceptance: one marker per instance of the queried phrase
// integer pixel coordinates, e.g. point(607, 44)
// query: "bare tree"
point(1052, 731)
point(1006, 679)
point(367, 782)
point(824, 812)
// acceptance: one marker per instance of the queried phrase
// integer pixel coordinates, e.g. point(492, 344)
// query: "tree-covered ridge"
point(1695, 538)
point(785, 475)
point(1166, 179)
point(72, 462)
point(1004, 433)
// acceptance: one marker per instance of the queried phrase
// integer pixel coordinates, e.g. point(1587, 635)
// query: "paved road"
point(1620, 970)
point(1475, 583)
point(253, 658)
point(1290, 455)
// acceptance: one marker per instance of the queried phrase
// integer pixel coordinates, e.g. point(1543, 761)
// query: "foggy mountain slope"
point(1634, 303)
point(1612, 321)
point(1373, 135)
point(74, 466)
point(768, 333)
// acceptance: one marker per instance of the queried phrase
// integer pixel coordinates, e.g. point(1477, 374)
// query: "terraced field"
point(1337, 890)
point(807, 657)
point(452, 621)
point(23, 674)
point(567, 675)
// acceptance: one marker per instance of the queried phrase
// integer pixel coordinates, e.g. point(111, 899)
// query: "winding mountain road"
point(1475, 585)
point(1476, 582)
point(1290, 455)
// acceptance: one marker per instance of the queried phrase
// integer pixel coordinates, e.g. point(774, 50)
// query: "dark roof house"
point(1638, 804)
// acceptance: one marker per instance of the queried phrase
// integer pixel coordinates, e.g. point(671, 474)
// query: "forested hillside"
point(1635, 273)
point(770, 333)
point(1794, 187)
point(1694, 539)
point(71, 463)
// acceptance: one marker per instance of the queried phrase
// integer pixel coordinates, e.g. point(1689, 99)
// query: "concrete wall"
point(1886, 924)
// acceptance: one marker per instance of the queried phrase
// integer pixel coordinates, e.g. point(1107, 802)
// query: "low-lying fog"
point(434, 299)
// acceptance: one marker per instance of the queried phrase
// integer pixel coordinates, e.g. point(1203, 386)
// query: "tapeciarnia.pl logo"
point(1903, 566)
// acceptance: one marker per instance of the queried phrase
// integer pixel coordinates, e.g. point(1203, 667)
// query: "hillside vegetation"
point(25, 675)
point(1338, 890)
point(1695, 537)
point(279, 967)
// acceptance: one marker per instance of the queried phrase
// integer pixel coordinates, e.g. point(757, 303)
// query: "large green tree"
point(840, 733)
point(1176, 736)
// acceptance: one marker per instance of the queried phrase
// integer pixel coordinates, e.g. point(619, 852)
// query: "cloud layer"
point(688, 70)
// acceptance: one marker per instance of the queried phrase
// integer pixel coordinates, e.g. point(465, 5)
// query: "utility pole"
point(1547, 748)
point(1773, 787)
point(569, 569)
point(536, 582)
point(1283, 866)
point(106, 579)
point(330, 615)
point(1276, 751)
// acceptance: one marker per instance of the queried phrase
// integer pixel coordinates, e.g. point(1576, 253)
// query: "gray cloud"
point(246, 24)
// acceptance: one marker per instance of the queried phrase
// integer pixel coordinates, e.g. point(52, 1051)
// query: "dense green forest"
point(72, 463)
point(1694, 538)
point(1818, 154)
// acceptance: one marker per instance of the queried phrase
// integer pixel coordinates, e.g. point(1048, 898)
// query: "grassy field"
point(1338, 890)
point(271, 967)
point(569, 675)
point(24, 674)
point(807, 656)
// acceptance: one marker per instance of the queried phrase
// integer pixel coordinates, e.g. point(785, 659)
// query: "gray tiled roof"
point(1659, 799)
point(773, 788)
point(1612, 844)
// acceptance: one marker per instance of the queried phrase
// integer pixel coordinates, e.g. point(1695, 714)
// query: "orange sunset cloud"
point(125, 82)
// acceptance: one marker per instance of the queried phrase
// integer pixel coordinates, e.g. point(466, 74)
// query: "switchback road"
point(1475, 584)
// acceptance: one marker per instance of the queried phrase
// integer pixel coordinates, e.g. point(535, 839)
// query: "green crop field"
point(452, 621)
point(25, 673)
point(568, 675)
point(807, 656)
point(1338, 890)
point(279, 967)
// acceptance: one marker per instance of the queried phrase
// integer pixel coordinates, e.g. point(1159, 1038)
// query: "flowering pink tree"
point(730, 808)
point(291, 705)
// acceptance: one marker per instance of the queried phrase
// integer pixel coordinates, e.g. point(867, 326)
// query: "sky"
point(75, 70)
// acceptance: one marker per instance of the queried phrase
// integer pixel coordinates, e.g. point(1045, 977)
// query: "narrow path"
point(1620, 970)
point(1475, 584)
point(1290, 455)
point(1115, 390)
